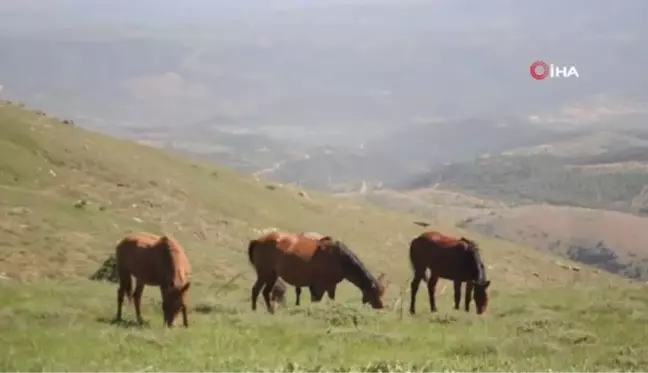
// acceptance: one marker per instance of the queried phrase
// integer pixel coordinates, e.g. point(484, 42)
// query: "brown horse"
point(155, 261)
point(453, 259)
point(303, 261)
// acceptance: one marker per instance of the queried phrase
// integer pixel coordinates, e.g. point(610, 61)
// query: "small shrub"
point(337, 315)
point(381, 366)
point(107, 271)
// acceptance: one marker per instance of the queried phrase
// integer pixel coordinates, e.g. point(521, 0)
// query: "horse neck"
point(354, 271)
point(479, 265)
point(362, 283)
point(170, 271)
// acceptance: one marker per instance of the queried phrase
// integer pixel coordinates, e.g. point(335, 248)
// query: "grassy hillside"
point(68, 195)
point(610, 240)
point(596, 179)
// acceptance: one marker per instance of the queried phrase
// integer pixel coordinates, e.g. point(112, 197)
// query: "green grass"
point(543, 315)
point(65, 326)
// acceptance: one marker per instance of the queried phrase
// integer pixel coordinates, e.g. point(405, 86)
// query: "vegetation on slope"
point(584, 175)
point(543, 179)
point(68, 195)
point(610, 240)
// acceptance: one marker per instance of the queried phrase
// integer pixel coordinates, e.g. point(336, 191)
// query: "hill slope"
point(546, 179)
point(68, 195)
point(611, 240)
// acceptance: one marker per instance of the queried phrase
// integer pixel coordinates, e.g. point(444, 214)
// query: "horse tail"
point(415, 242)
point(126, 285)
point(125, 281)
point(251, 247)
point(122, 273)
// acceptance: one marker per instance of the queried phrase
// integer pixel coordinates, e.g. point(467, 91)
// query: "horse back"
point(446, 256)
point(266, 250)
point(442, 241)
point(313, 235)
point(296, 258)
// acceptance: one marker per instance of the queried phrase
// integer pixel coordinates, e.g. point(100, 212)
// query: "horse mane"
point(354, 266)
point(480, 268)
point(472, 245)
point(167, 248)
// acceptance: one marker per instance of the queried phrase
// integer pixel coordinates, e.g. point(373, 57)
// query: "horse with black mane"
point(458, 260)
point(300, 261)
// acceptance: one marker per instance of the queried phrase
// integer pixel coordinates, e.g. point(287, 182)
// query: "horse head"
point(383, 282)
point(480, 285)
point(374, 296)
point(173, 299)
point(481, 295)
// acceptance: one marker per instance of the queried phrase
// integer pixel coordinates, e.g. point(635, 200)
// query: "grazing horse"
point(302, 261)
point(453, 259)
point(155, 261)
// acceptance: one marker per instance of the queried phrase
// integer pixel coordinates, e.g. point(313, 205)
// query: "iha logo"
point(540, 70)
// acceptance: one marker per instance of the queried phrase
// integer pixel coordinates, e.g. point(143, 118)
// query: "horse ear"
point(382, 278)
point(325, 241)
point(382, 282)
point(487, 284)
point(185, 287)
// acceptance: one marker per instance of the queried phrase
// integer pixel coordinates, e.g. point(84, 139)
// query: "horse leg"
point(416, 281)
point(316, 293)
point(270, 282)
point(125, 289)
point(297, 294)
point(120, 303)
point(331, 293)
point(256, 289)
point(185, 321)
point(469, 291)
point(457, 294)
point(313, 293)
point(431, 290)
point(137, 298)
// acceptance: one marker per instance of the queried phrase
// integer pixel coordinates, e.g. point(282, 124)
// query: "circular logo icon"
point(539, 70)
